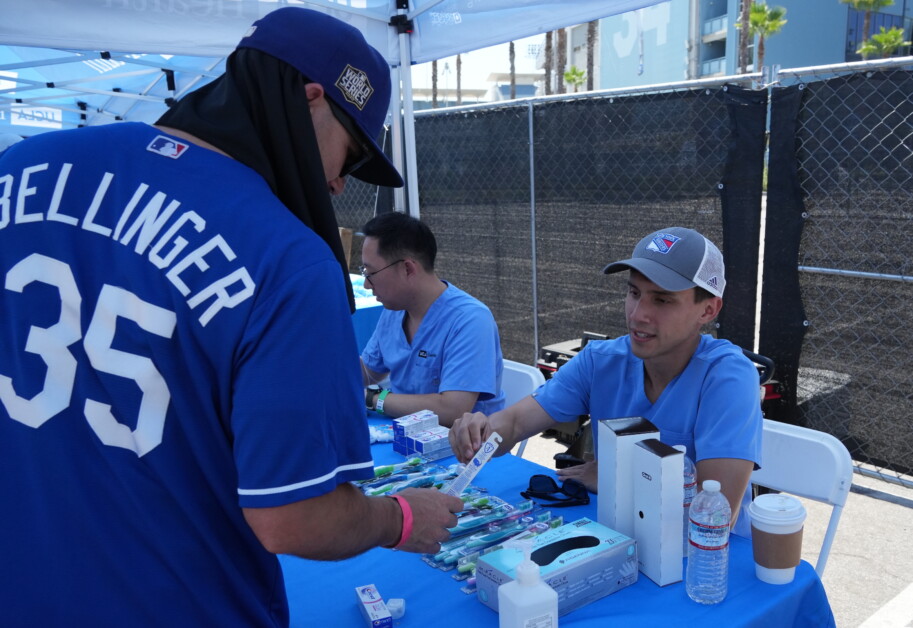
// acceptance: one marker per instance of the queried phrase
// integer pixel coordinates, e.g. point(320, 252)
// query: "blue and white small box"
point(372, 607)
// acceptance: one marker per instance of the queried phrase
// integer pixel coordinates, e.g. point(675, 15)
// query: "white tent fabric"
point(212, 27)
point(68, 63)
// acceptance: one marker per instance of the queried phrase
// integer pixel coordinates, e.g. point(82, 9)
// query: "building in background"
point(687, 39)
point(669, 42)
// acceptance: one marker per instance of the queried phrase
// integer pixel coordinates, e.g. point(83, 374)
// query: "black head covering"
point(258, 113)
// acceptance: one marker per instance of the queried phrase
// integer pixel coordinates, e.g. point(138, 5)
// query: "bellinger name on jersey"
point(142, 223)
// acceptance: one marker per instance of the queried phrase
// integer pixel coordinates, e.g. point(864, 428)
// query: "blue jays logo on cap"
point(167, 147)
point(662, 243)
point(355, 86)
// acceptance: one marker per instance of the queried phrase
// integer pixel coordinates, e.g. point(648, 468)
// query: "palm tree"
point(883, 44)
point(575, 77)
point(867, 6)
point(765, 21)
point(549, 51)
point(562, 59)
point(434, 84)
point(513, 71)
point(743, 35)
point(459, 80)
point(591, 34)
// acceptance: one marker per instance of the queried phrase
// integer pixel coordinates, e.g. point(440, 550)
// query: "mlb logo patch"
point(167, 147)
point(662, 243)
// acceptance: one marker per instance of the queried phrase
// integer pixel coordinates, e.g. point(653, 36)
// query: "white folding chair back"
point(807, 463)
point(517, 381)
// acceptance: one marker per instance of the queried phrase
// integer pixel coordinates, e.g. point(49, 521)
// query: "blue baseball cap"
point(354, 75)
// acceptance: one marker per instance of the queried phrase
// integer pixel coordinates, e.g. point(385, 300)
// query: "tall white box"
point(658, 496)
point(617, 437)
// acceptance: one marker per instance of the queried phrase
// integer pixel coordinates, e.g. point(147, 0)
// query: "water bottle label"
point(708, 537)
point(690, 491)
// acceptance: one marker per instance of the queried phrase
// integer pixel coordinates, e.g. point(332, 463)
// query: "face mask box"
point(582, 561)
point(616, 440)
point(658, 496)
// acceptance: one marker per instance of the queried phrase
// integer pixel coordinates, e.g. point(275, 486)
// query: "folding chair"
point(807, 463)
point(517, 381)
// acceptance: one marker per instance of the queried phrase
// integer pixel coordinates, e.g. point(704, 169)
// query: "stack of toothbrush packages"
point(420, 434)
point(413, 473)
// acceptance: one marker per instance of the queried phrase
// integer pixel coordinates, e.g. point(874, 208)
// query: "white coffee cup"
point(776, 536)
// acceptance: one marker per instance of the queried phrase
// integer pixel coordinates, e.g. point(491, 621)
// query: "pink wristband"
point(407, 519)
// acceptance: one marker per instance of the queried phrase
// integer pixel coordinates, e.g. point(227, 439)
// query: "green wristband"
point(379, 404)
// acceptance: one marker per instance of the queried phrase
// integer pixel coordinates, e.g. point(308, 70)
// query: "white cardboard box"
point(658, 497)
point(617, 437)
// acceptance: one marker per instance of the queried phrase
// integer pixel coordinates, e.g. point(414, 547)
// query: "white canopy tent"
point(66, 63)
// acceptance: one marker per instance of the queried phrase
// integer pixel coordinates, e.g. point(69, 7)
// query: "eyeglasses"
point(364, 271)
point(544, 488)
point(353, 162)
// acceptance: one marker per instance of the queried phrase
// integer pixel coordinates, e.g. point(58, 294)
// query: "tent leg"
point(411, 171)
point(396, 133)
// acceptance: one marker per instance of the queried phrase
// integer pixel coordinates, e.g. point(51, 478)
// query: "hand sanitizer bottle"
point(527, 602)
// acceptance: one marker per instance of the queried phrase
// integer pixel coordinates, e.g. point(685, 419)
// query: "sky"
point(477, 65)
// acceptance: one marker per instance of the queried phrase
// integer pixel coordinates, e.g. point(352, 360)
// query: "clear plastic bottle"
point(690, 486)
point(707, 573)
point(527, 602)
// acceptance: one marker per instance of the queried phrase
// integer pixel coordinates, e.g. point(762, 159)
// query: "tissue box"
point(617, 437)
point(658, 497)
point(583, 561)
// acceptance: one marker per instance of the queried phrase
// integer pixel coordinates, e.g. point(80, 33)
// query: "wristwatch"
point(371, 393)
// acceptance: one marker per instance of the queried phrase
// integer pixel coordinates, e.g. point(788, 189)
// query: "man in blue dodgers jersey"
point(180, 396)
point(699, 391)
point(439, 345)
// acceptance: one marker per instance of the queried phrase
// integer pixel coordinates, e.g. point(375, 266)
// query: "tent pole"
point(411, 172)
point(396, 133)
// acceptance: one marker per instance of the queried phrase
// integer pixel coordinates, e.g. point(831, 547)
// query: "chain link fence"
point(855, 160)
point(529, 200)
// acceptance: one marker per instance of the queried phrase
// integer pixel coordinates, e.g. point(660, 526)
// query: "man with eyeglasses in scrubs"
point(439, 345)
point(180, 393)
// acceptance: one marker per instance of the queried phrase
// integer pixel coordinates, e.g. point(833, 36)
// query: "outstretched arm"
point(345, 523)
point(448, 405)
point(514, 423)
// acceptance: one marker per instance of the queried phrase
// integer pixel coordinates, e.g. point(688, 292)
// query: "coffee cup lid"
point(777, 509)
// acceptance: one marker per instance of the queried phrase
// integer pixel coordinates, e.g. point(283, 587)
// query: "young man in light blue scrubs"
point(439, 345)
point(699, 391)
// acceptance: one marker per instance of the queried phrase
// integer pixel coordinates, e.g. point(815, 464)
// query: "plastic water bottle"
point(690, 486)
point(707, 574)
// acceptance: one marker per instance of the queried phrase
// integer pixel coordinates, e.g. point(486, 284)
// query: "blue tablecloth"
point(323, 594)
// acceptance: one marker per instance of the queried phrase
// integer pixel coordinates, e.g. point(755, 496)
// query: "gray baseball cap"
point(677, 259)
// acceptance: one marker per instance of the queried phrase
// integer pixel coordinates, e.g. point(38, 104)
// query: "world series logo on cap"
point(355, 86)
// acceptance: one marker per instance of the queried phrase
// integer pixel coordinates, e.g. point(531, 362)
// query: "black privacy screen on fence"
point(604, 173)
point(530, 200)
point(856, 169)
